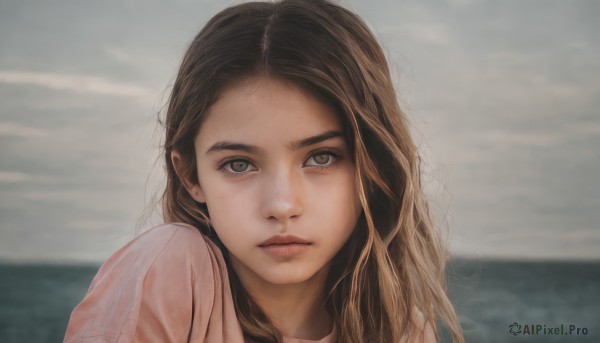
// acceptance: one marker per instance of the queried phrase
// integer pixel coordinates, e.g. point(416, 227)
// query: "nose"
point(282, 195)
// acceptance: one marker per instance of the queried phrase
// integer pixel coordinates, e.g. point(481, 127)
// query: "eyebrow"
point(253, 149)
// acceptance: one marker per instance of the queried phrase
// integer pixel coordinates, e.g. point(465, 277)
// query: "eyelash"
point(333, 153)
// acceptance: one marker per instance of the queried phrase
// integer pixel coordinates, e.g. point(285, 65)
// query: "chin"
point(285, 278)
point(281, 276)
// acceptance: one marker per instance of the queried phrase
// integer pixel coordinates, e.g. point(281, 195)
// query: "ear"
point(193, 189)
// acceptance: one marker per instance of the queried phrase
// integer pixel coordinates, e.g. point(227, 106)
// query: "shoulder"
point(148, 285)
point(177, 250)
point(424, 329)
point(178, 243)
point(163, 249)
point(169, 236)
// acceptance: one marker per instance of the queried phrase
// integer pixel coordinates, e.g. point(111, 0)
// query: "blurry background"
point(503, 99)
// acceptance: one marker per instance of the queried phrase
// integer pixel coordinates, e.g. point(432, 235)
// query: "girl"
point(293, 202)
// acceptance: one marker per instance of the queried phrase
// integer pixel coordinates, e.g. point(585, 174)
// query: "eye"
point(321, 159)
point(237, 166)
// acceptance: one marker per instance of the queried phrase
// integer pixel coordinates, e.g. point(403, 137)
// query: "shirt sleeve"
point(146, 291)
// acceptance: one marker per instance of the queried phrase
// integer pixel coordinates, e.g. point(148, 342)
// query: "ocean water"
point(36, 300)
point(490, 296)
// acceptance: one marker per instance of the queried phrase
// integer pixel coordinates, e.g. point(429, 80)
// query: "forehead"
point(266, 110)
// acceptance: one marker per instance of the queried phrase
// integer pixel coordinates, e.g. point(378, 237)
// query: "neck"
point(298, 310)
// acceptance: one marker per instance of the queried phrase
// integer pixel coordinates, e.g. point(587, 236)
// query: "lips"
point(285, 247)
point(283, 240)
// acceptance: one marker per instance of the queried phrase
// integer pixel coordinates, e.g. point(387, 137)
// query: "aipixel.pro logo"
point(543, 329)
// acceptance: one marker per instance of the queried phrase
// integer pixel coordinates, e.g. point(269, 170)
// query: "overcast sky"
point(503, 98)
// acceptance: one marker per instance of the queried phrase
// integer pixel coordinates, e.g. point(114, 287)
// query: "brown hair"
point(394, 261)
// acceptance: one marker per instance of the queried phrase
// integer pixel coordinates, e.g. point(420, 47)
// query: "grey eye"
point(322, 158)
point(239, 166)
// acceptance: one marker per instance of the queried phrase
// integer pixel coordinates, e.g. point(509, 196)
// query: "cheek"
point(225, 201)
point(338, 201)
point(229, 211)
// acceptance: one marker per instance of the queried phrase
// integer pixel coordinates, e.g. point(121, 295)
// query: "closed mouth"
point(284, 240)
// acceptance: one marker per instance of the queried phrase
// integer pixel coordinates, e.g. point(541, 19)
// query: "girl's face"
point(273, 163)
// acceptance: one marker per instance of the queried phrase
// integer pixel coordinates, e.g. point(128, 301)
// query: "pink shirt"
point(169, 284)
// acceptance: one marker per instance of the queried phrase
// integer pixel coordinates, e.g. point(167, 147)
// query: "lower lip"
point(285, 250)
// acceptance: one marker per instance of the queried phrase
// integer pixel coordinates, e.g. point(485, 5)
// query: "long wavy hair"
point(394, 262)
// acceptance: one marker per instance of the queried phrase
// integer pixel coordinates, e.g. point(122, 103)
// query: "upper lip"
point(288, 239)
